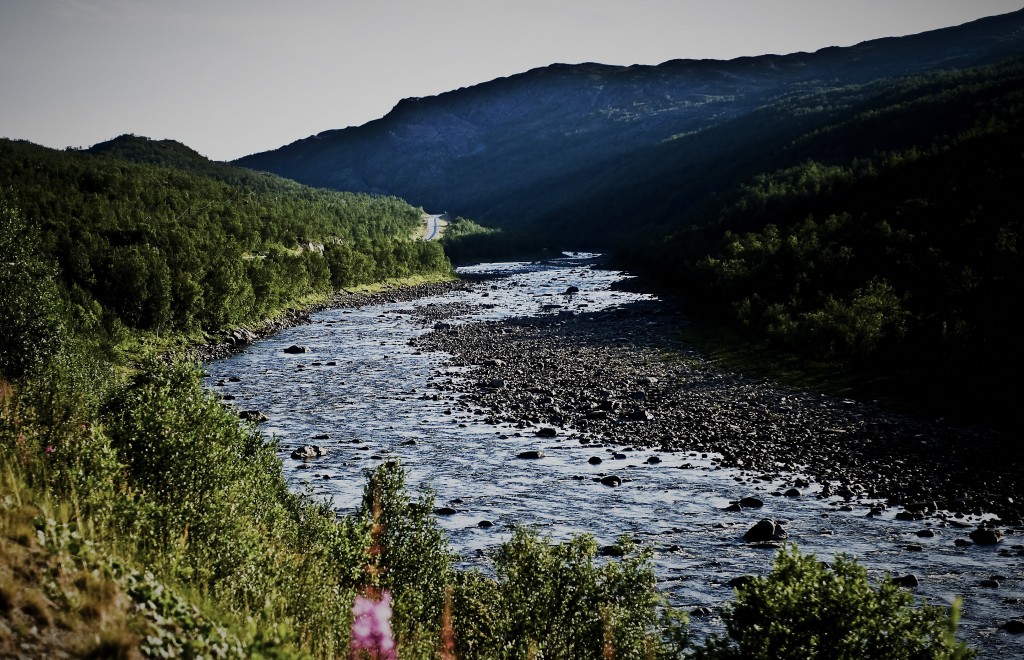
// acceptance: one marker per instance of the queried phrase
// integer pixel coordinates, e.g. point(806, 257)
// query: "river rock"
point(792, 492)
point(986, 536)
point(733, 508)
point(530, 453)
point(295, 349)
point(594, 460)
point(1014, 626)
point(653, 460)
point(751, 503)
point(611, 480)
point(613, 550)
point(764, 531)
point(571, 290)
point(910, 580)
point(253, 416)
point(308, 451)
point(546, 432)
point(445, 511)
point(485, 524)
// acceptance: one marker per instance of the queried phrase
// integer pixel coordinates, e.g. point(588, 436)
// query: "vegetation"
point(466, 242)
point(891, 249)
point(806, 609)
point(167, 242)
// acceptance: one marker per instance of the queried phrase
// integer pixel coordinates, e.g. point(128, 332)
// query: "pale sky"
point(234, 77)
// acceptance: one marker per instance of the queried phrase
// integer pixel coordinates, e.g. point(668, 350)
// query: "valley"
point(520, 404)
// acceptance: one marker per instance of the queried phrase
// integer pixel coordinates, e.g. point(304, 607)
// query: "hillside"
point(148, 236)
point(528, 148)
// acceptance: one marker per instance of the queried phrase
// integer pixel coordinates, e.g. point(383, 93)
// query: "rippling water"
point(362, 385)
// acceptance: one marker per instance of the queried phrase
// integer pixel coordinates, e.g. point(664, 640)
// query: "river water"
point(371, 397)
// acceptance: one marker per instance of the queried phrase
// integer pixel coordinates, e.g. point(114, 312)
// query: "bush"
point(805, 609)
point(32, 311)
point(555, 601)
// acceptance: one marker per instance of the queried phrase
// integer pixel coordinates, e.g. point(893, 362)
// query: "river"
point(370, 396)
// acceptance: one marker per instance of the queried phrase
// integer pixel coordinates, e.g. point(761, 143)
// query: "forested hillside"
point(892, 243)
point(148, 235)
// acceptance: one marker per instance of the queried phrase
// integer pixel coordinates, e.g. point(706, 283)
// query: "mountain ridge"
point(468, 150)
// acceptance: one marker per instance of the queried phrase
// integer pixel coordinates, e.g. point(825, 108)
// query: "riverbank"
point(223, 344)
point(621, 376)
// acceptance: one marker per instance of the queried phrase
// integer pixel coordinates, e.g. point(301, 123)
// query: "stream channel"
point(374, 398)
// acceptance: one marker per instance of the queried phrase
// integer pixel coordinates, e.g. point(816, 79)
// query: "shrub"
point(32, 311)
point(555, 601)
point(805, 609)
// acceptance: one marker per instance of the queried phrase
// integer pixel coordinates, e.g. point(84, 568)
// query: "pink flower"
point(371, 629)
point(49, 449)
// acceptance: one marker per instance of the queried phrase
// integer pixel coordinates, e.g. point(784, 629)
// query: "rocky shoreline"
point(619, 377)
point(232, 341)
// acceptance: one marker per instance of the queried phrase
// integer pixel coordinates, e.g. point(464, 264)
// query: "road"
point(434, 227)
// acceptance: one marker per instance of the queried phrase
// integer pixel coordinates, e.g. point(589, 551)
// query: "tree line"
point(149, 236)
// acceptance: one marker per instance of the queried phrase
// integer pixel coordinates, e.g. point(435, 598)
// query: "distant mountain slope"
point(528, 148)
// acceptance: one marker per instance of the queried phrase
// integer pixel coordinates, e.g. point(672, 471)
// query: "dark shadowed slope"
point(516, 150)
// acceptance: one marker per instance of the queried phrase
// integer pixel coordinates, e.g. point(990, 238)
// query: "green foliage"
point(556, 601)
point(412, 559)
point(32, 311)
point(149, 235)
point(805, 609)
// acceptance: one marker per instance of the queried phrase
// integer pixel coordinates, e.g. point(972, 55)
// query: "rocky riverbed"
point(620, 376)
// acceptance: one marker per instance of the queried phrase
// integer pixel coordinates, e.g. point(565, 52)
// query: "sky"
point(234, 77)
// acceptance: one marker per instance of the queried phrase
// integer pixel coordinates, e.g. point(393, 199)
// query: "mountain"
point(574, 146)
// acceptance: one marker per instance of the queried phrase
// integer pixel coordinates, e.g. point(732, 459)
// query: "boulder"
point(295, 349)
point(653, 460)
point(908, 581)
point(751, 503)
point(594, 460)
point(1014, 626)
point(253, 416)
point(308, 451)
point(792, 492)
point(547, 432)
point(986, 536)
point(764, 531)
point(611, 480)
point(530, 453)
